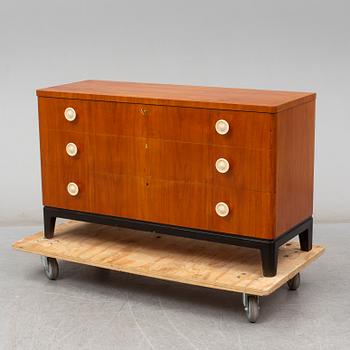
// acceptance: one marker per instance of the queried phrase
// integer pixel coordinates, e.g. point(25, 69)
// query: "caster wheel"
point(294, 283)
point(252, 307)
point(50, 267)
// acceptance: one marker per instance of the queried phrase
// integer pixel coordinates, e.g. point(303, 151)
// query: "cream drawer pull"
point(72, 188)
point(222, 127)
point(71, 149)
point(222, 165)
point(222, 209)
point(70, 114)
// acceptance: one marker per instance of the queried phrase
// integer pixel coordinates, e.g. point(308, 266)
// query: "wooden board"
point(180, 95)
point(201, 263)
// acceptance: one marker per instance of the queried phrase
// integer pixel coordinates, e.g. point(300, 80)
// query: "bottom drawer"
point(54, 188)
point(167, 202)
point(193, 205)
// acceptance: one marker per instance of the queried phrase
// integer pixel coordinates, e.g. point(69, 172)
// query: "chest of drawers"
point(230, 165)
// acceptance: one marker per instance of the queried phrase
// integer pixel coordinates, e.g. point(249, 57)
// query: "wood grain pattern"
point(247, 129)
point(195, 125)
point(179, 95)
point(121, 195)
point(51, 115)
point(184, 260)
point(193, 205)
point(295, 137)
point(157, 163)
point(191, 162)
point(54, 187)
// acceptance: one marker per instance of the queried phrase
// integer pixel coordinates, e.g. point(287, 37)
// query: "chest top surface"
point(268, 101)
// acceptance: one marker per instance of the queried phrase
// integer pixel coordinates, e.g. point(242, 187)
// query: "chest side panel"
point(295, 136)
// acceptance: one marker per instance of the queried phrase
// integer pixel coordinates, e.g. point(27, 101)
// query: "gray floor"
point(91, 308)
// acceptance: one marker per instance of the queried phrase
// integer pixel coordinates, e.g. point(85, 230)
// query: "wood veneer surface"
point(157, 163)
point(179, 95)
point(295, 138)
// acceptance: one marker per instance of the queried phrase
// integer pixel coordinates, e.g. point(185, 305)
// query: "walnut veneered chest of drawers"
point(230, 165)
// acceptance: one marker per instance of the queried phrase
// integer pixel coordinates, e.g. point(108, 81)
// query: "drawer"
point(193, 205)
point(167, 202)
point(52, 114)
point(100, 193)
point(196, 125)
point(55, 180)
point(245, 129)
point(94, 117)
point(65, 149)
point(251, 213)
point(249, 169)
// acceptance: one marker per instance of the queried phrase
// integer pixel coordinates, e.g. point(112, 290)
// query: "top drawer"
point(229, 128)
point(93, 117)
point(196, 125)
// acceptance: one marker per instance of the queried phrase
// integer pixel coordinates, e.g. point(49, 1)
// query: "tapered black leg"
point(269, 259)
point(305, 239)
point(49, 223)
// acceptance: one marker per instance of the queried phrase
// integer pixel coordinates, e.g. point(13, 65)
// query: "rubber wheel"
point(294, 283)
point(50, 267)
point(252, 308)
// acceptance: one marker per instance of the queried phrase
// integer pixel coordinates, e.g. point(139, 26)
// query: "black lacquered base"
point(268, 248)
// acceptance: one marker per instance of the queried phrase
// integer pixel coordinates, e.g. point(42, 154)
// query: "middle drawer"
point(241, 168)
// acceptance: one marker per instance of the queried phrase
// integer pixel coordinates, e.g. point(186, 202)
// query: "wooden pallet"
point(201, 263)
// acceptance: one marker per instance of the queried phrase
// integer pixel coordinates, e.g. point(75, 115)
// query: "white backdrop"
point(287, 45)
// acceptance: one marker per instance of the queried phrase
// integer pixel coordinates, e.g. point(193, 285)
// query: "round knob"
point(222, 127)
point(71, 149)
point(70, 114)
point(222, 209)
point(72, 188)
point(222, 165)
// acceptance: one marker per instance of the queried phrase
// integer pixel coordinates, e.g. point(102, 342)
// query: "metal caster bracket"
point(251, 305)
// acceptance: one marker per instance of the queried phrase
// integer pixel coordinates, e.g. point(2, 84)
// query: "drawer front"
point(251, 212)
point(52, 114)
point(196, 163)
point(57, 149)
point(55, 180)
point(245, 129)
point(167, 202)
point(93, 117)
point(193, 205)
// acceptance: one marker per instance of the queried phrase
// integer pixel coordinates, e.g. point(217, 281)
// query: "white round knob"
point(222, 127)
point(70, 114)
point(71, 149)
point(72, 188)
point(222, 165)
point(222, 209)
